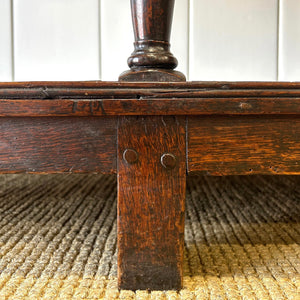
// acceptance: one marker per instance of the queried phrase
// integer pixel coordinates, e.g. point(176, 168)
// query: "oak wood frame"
point(152, 135)
point(151, 201)
point(229, 128)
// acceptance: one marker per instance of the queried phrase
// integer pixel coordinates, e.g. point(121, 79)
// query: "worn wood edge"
point(149, 75)
point(224, 85)
point(142, 93)
point(137, 93)
point(122, 107)
point(249, 173)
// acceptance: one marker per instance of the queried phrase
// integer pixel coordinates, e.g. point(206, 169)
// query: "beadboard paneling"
point(180, 36)
point(289, 40)
point(117, 36)
point(56, 40)
point(214, 40)
point(233, 40)
point(6, 41)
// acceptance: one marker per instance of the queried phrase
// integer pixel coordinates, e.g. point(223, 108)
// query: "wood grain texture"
point(244, 145)
point(111, 98)
point(108, 107)
point(152, 59)
point(117, 30)
point(151, 203)
point(57, 145)
point(219, 85)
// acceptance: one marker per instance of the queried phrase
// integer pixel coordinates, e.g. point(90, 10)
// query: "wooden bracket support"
point(151, 202)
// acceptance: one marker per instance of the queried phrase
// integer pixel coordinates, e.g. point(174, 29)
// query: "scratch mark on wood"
point(100, 104)
point(91, 108)
point(74, 109)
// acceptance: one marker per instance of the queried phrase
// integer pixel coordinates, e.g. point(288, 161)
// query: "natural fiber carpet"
point(58, 238)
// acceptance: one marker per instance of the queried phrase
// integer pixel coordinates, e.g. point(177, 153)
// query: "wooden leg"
point(151, 202)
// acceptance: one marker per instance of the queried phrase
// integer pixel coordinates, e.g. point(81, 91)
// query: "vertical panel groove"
point(233, 40)
point(190, 22)
point(289, 41)
point(278, 39)
point(99, 38)
point(282, 55)
point(6, 41)
point(56, 40)
point(12, 40)
point(188, 40)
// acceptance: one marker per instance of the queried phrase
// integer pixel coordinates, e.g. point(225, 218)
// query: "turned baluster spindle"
point(152, 59)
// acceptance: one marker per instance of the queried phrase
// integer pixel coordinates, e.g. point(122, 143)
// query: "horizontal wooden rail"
point(119, 107)
point(243, 145)
point(149, 93)
point(58, 127)
point(37, 99)
point(58, 145)
point(221, 85)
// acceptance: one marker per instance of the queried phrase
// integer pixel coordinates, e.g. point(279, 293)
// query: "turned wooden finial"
point(152, 59)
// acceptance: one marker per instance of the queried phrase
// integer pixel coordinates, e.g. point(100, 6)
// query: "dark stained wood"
point(243, 145)
point(151, 202)
point(143, 93)
point(157, 75)
point(152, 19)
point(117, 107)
point(233, 128)
point(151, 134)
point(115, 99)
point(219, 85)
point(152, 59)
point(58, 145)
point(130, 90)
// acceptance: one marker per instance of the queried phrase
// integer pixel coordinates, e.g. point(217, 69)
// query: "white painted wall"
point(6, 63)
point(92, 39)
point(289, 40)
point(233, 40)
point(56, 39)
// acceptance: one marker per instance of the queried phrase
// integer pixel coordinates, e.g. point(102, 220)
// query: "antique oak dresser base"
point(151, 135)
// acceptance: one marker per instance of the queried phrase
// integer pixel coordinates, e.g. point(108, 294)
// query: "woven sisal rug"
point(58, 238)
